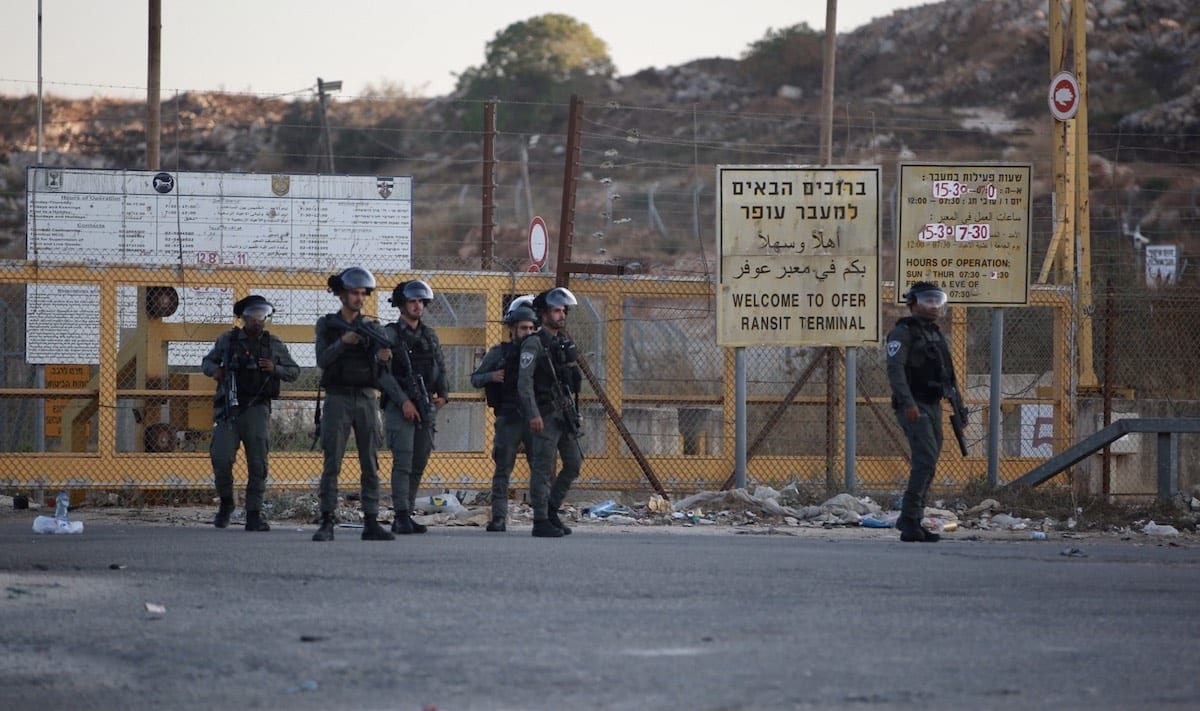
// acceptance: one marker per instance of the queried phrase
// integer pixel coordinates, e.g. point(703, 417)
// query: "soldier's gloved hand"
point(912, 413)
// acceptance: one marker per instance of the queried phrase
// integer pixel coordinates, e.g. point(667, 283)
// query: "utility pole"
point(322, 87)
point(154, 85)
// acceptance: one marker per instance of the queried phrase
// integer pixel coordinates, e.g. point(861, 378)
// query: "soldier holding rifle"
point(247, 363)
point(351, 352)
point(548, 382)
point(921, 373)
point(420, 368)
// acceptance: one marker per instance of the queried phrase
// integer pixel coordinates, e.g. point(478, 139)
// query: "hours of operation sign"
point(965, 227)
point(799, 253)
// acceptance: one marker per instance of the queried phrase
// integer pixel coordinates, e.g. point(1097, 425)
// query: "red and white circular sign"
point(1064, 96)
point(538, 241)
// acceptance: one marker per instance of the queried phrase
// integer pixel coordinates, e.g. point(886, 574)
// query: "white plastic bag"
point(48, 524)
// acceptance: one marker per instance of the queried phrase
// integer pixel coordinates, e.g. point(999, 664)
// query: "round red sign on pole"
point(1063, 96)
point(538, 241)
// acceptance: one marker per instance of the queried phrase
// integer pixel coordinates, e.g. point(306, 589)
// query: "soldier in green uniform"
point(920, 372)
point(351, 351)
point(420, 368)
point(248, 363)
point(497, 374)
point(548, 380)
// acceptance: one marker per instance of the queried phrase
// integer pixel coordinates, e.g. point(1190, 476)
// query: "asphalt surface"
point(631, 618)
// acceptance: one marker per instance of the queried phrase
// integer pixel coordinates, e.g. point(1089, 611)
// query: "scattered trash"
point(21, 503)
point(439, 503)
point(1010, 523)
point(1038, 536)
point(155, 610)
point(45, 524)
point(61, 522)
point(605, 509)
point(872, 522)
point(1073, 552)
point(949, 526)
point(658, 505)
point(1156, 529)
point(311, 638)
point(116, 566)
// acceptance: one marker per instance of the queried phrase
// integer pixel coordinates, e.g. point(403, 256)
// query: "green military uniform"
point(350, 377)
point(512, 427)
point(248, 424)
point(920, 371)
point(542, 360)
point(411, 443)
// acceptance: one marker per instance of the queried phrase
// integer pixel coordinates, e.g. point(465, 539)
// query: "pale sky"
point(99, 47)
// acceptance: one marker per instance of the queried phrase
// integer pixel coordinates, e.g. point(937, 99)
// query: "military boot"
point(256, 522)
point(554, 519)
point(543, 528)
point(372, 531)
point(402, 524)
point(224, 511)
point(910, 529)
point(496, 525)
point(325, 532)
point(417, 527)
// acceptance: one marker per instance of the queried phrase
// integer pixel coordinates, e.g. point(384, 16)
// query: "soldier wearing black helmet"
point(548, 380)
point(420, 368)
point(497, 374)
point(248, 363)
point(350, 358)
point(921, 373)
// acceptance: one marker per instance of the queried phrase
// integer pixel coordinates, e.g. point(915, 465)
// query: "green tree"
point(788, 56)
point(544, 59)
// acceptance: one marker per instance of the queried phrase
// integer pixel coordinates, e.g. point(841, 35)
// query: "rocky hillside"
point(950, 79)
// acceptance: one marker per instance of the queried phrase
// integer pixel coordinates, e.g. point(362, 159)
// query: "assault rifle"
point(566, 400)
point(376, 337)
point(958, 417)
point(226, 397)
point(419, 394)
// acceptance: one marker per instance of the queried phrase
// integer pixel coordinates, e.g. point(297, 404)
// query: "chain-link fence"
point(129, 406)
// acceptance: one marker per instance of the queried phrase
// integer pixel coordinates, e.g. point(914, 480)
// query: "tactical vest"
point(354, 368)
point(503, 397)
point(252, 382)
point(419, 344)
point(543, 380)
point(928, 364)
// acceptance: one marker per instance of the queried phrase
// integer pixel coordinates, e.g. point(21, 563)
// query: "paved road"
point(637, 619)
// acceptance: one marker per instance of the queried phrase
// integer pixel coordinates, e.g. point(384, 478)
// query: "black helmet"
point(352, 278)
point(558, 296)
point(922, 290)
point(415, 289)
point(254, 306)
point(522, 313)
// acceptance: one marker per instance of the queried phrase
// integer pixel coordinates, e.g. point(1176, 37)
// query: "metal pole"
point(153, 86)
point(996, 366)
point(39, 85)
point(851, 419)
point(488, 228)
point(739, 418)
point(325, 122)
